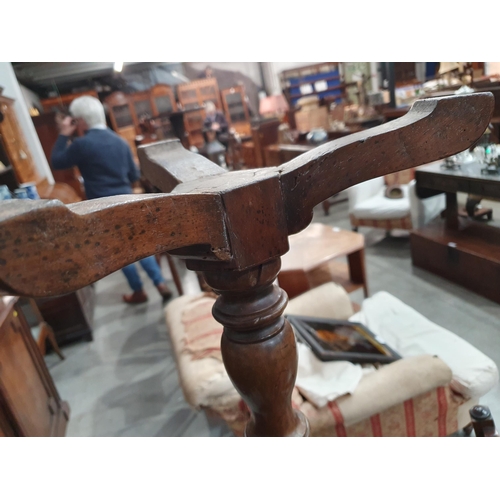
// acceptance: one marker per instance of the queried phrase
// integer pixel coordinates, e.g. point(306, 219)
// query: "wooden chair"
point(231, 226)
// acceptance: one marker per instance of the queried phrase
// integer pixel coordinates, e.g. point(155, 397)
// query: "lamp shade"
point(273, 105)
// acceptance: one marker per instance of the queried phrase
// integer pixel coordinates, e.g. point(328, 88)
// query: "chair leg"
point(175, 274)
point(42, 338)
point(53, 342)
point(467, 430)
point(326, 207)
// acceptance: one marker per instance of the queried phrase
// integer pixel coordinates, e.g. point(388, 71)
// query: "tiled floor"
point(124, 383)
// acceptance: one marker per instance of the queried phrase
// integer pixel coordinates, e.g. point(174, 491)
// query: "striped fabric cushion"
point(431, 414)
point(387, 224)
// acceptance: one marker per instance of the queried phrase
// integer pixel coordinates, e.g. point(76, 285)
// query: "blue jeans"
point(149, 265)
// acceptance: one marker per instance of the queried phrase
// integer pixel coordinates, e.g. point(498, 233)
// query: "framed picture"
point(332, 340)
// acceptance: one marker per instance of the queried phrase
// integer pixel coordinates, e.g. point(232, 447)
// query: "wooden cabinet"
point(46, 128)
point(71, 316)
point(123, 118)
point(29, 402)
point(62, 102)
point(236, 109)
point(164, 109)
point(162, 99)
point(131, 113)
point(14, 143)
point(193, 96)
point(141, 104)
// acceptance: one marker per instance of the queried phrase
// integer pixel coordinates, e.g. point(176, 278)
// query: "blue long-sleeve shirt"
point(103, 158)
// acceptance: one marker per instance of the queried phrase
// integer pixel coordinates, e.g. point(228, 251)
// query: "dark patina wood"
point(232, 226)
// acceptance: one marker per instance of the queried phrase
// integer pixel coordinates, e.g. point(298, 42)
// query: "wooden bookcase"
point(323, 80)
point(162, 99)
point(236, 109)
point(194, 95)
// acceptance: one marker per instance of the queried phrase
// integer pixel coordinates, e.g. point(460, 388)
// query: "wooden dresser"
point(29, 402)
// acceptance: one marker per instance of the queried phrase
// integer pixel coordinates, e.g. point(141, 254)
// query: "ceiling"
point(44, 77)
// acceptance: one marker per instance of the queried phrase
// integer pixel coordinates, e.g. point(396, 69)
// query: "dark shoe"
point(164, 291)
point(136, 298)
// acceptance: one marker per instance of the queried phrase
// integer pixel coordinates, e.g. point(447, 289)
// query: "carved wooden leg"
point(451, 211)
point(258, 347)
point(326, 207)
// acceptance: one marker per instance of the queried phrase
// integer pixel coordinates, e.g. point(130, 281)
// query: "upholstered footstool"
point(427, 393)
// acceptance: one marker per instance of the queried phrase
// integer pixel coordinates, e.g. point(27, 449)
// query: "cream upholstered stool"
point(369, 206)
point(427, 393)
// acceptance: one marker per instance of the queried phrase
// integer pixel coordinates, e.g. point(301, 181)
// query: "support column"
point(258, 347)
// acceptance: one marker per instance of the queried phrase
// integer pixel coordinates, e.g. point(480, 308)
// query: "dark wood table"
point(461, 250)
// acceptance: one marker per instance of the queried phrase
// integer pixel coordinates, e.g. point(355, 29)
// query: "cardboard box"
point(309, 118)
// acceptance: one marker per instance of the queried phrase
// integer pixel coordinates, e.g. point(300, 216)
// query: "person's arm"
point(64, 155)
point(224, 126)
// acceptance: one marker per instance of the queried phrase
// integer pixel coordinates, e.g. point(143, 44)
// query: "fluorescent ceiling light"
point(118, 66)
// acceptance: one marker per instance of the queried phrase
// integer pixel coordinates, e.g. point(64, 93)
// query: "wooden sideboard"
point(29, 402)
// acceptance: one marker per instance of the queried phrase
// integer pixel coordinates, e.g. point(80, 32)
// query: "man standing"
point(107, 167)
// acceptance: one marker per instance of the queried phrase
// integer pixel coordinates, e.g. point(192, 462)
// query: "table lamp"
point(273, 106)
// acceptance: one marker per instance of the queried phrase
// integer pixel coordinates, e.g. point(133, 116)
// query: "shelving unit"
point(323, 80)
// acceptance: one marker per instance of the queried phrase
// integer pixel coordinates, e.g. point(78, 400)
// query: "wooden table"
point(461, 250)
point(314, 258)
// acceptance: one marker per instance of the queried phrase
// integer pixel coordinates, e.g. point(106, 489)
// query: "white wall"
point(492, 68)
point(30, 98)
point(12, 89)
